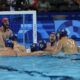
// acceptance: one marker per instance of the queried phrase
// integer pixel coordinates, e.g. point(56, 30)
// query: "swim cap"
point(34, 47)
point(9, 43)
point(42, 44)
point(4, 20)
point(62, 33)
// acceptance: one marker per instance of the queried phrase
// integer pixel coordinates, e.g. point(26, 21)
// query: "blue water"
point(39, 68)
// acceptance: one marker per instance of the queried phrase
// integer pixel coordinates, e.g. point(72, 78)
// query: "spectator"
point(10, 3)
point(33, 4)
point(70, 2)
point(20, 5)
point(72, 6)
point(4, 5)
point(77, 2)
point(43, 5)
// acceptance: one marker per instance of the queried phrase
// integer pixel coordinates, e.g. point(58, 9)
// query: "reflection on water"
point(39, 68)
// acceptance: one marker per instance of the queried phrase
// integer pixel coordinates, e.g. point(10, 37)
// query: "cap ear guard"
point(42, 44)
point(62, 33)
point(34, 47)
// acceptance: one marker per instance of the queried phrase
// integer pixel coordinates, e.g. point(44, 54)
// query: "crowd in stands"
point(39, 5)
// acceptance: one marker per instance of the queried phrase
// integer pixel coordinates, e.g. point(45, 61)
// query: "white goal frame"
point(23, 13)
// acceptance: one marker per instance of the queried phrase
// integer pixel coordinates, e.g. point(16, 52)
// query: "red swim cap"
point(4, 20)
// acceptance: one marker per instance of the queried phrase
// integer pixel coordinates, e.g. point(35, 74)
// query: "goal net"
point(22, 23)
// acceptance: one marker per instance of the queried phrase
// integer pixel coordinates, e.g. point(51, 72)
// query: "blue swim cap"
point(9, 43)
point(34, 47)
point(42, 44)
point(13, 37)
point(62, 33)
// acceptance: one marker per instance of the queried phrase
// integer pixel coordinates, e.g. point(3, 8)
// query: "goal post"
point(23, 13)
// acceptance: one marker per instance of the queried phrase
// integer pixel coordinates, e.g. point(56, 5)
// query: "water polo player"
point(52, 43)
point(7, 32)
point(66, 44)
point(6, 37)
point(44, 48)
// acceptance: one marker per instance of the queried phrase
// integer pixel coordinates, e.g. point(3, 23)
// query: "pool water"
point(39, 68)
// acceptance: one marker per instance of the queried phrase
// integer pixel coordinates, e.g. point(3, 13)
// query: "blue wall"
point(47, 23)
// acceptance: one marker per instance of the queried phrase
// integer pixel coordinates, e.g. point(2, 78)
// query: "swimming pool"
point(39, 68)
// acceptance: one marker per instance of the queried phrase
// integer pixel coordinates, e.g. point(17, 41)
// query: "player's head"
point(52, 37)
point(5, 21)
point(63, 33)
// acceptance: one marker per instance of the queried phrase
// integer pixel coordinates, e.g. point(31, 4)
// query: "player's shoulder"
point(72, 39)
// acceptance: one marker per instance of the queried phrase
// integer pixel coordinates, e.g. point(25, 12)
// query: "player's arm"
point(38, 53)
point(2, 44)
point(58, 47)
point(55, 49)
point(78, 47)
